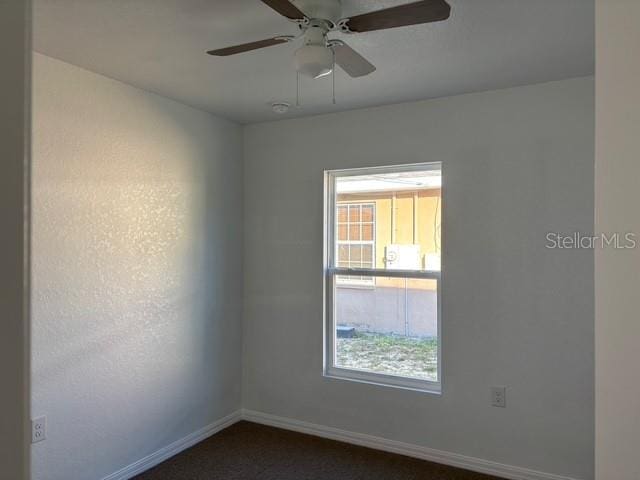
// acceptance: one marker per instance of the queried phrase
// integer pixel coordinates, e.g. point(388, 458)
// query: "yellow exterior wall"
point(429, 230)
point(395, 221)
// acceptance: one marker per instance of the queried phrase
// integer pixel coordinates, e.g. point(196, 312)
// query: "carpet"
point(248, 451)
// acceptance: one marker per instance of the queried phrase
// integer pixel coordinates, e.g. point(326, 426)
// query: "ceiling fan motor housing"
point(330, 10)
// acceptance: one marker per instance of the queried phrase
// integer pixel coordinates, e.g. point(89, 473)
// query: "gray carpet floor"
point(248, 451)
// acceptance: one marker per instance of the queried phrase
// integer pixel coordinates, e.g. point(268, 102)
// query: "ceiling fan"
point(317, 57)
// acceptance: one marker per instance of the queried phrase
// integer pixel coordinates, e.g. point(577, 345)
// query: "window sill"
point(378, 379)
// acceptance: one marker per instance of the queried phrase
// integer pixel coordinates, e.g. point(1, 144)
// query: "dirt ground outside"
point(389, 354)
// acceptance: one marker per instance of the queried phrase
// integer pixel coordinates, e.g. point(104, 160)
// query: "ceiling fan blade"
point(351, 61)
point(401, 16)
point(247, 47)
point(286, 9)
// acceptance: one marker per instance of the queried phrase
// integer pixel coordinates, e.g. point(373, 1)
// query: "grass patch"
point(389, 354)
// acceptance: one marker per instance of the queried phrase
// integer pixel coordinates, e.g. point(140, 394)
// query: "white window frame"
point(361, 282)
point(331, 274)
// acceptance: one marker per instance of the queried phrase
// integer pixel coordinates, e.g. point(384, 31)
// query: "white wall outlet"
point(499, 396)
point(38, 429)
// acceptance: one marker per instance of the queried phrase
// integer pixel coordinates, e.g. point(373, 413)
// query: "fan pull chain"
point(297, 90)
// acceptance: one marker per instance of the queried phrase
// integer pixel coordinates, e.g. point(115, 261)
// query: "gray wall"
point(137, 271)
point(616, 273)
point(14, 326)
point(517, 163)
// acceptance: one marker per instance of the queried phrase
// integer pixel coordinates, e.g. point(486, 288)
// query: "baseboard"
point(508, 472)
point(453, 459)
point(176, 447)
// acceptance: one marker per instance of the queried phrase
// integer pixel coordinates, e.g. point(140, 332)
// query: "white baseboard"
point(453, 459)
point(176, 447)
point(508, 472)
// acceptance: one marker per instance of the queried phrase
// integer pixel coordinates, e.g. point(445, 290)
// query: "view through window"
point(356, 245)
point(383, 275)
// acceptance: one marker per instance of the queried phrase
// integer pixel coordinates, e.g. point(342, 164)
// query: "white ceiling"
point(160, 45)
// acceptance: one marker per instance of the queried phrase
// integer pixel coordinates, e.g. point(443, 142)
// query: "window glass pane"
point(381, 325)
point(367, 213)
point(356, 255)
point(390, 328)
point(356, 240)
point(342, 232)
point(354, 213)
point(354, 232)
point(399, 213)
point(367, 232)
point(367, 253)
point(342, 214)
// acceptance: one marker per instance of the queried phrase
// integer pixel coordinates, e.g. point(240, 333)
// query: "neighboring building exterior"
point(390, 228)
point(382, 219)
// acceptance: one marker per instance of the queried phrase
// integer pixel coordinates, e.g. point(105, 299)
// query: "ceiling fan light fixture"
point(314, 61)
point(317, 18)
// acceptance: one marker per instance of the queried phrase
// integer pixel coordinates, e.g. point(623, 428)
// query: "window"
point(383, 233)
point(356, 246)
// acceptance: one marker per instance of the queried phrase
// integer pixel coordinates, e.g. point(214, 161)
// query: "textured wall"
point(14, 324)
point(517, 163)
point(137, 256)
point(617, 200)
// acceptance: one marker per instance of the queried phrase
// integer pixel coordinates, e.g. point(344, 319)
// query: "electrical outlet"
point(38, 429)
point(499, 396)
